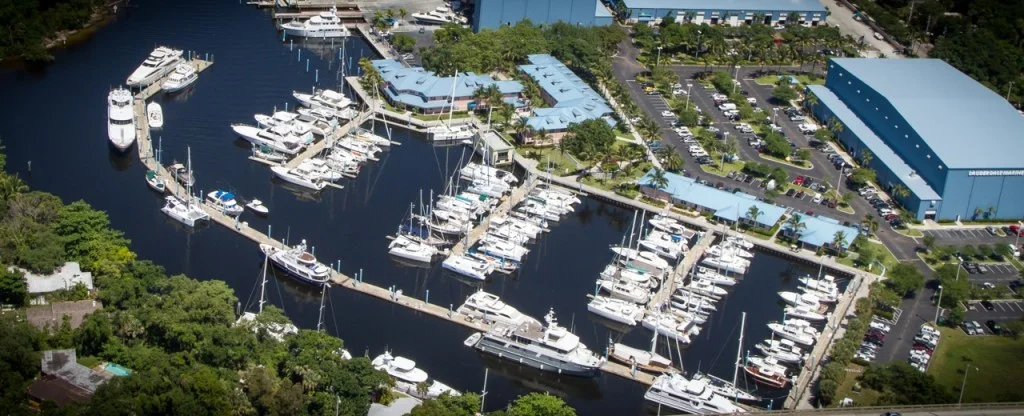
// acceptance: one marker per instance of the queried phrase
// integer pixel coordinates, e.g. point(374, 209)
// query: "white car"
point(879, 325)
point(752, 100)
point(667, 113)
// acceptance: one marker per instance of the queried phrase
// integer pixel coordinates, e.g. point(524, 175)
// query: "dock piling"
point(427, 298)
point(300, 55)
point(307, 64)
point(316, 77)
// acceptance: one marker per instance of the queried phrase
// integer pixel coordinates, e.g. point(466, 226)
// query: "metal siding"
point(537, 11)
point(582, 13)
point(512, 11)
point(559, 10)
point(964, 193)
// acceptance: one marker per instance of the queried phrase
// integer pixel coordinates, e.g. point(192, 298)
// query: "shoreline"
point(101, 16)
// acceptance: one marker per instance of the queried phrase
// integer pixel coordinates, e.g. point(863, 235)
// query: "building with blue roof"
point(729, 12)
point(570, 100)
point(725, 206)
point(422, 91)
point(820, 232)
point(931, 129)
point(492, 14)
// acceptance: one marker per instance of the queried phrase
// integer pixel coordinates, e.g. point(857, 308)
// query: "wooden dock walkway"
point(507, 202)
point(382, 49)
point(683, 269)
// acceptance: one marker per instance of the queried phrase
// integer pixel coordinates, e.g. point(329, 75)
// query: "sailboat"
point(445, 131)
point(275, 330)
point(185, 210)
point(648, 361)
point(725, 388)
point(153, 178)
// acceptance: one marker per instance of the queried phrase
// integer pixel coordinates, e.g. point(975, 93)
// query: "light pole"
point(1016, 242)
point(657, 61)
point(959, 265)
point(963, 384)
point(775, 113)
point(735, 79)
point(938, 306)
point(688, 85)
point(697, 53)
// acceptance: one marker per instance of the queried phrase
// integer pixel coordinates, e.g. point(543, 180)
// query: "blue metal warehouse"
point(731, 12)
point(490, 14)
point(946, 138)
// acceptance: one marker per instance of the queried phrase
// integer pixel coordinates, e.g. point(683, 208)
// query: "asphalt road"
point(842, 18)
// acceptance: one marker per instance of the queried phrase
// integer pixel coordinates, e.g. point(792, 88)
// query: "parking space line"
point(1019, 306)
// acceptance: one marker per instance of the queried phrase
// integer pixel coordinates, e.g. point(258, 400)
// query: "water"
point(54, 118)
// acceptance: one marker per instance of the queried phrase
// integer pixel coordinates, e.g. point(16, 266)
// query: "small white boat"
point(224, 202)
point(184, 75)
point(257, 206)
point(615, 310)
point(268, 154)
point(155, 115)
point(626, 291)
point(641, 258)
point(715, 277)
point(155, 182)
point(468, 266)
point(783, 350)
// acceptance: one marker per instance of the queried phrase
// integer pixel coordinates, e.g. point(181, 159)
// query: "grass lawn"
point(884, 256)
point(627, 176)
point(911, 232)
point(734, 166)
point(864, 397)
point(560, 163)
point(996, 358)
point(802, 79)
point(89, 361)
point(806, 166)
point(435, 117)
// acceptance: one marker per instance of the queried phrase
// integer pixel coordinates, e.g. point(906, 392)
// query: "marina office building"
point(729, 12)
point(570, 99)
point(950, 141)
point(424, 92)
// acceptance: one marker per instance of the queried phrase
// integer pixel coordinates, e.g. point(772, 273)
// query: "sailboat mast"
point(320, 320)
point(632, 229)
point(640, 233)
point(739, 349)
point(451, 107)
point(188, 177)
point(263, 284)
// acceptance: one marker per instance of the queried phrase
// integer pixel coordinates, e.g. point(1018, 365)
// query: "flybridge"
point(1017, 172)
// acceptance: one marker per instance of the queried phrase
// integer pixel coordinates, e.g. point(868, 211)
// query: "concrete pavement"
point(842, 18)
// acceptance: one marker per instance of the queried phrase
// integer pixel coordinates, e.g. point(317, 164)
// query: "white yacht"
point(184, 210)
point(258, 207)
point(672, 226)
point(298, 262)
point(435, 17)
point(783, 350)
point(329, 99)
point(445, 133)
point(224, 202)
point(715, 277)
point(324, 25)
point(705, 287)
point(644, 360)
point(725, 388)
point(501, 248)
point(634, 276)
point(727, 263)
point(484, 172)
point(297, 176)
point(805, 313)
point(616, 310)
point(276, 119)
point(159, 62)
point(539, 210)
point(468, 266)
point(120, 119)
point(550, 348)
point(666, 245)
point(690, 396)
point(368, 136)
point(184, 75)
point(801, 299)
point(154, 115)
point(794, 331)
point(409, 249)
point(626, 291)
point(491, 189)
point(739, 242)
point(825, 283)
point(767, 370)
point(641, 258)
point(553, 194)
point(666, 324)
point(726, 249)
point(401, 368)
point(490, 308)
point(278, 138)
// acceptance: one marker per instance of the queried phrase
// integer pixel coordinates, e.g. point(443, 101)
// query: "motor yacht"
point(663, 244)
point(783, 350)
point(551, 348)
point(484, 172)
point(491, 189)
point(370, 137)
point(672, 226)
point(626, 291)
point(323, 25)
point(257, 206)
point(553, 194)
point(636, 277)
point(120, 119)
point(224, 202)
point(715, 277)
point(300, 177)
point(467, 266)
point(800, 299)
point(767, 371)
point(725, 388)
point(691, 396)
point(325, 98)
point(445, 133)
point(182, 77)
point(728, 263)
point(617, 310)
point(693, 302)
point(409, 249)
point(831, 296)
point(154, 116)
point(278, 138)
point(668, 325)
point(725, 249)
point(805, 313)
point(298, 262)
point(704, 287)
point(490, 308)
point(159, 62)
point(408, 378)
point(276, 119)
point(738, 242)
point(434, 17)
point(641, 258)
point(793, 331)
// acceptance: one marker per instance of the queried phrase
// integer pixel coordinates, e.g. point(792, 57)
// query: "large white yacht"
point(159, 62)
point(120, 119)
point(550, 348)
point(796, 330)
point(298, 262)
point(445, 133)
point(468, 266)
point(297, 176)
point(490, 308)
point(438, 16)
point(410, 249)
point(278, 138)
point(329, 99)
point(484, 172)
point(322, 26)
point(408, 377)
point(690, 396)
point(184, 75)
point(617, 310)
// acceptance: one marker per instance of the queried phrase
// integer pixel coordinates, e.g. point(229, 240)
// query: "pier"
point(503, 208)
point(690, 259)
point(383, 50)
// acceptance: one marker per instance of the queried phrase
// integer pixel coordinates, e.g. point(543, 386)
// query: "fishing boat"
point(257, 206)
point(159, 62)
point(155, 115)
point(182, 77)
point(224, 202)
point(120, 119)
point(298, 263)
point(489, 308)
point(615, 310)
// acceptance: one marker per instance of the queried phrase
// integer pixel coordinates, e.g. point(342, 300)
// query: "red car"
point(891, 217)
point(799, 180)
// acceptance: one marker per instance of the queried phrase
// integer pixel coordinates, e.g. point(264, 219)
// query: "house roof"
point(882, 152)
point(747, 5)
point(63, 364)
point(494, 142)
point(726, 205)
point(601, 11)
point(66, 277)
point(574, 100)
point(40, 316)
point(559, 118)
point(415, 83)
point(945, 107)
point(820, 231)
point(50, 388)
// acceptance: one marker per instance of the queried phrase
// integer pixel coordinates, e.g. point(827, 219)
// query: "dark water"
point(55, 117)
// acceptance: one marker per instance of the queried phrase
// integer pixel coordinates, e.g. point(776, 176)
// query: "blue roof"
point(745, 5)
point(946, 107)
point(224, 195)
point(574, 100)
point(418, 87)
point(882, 152)
point(601, 10)
point(726, 205)
point(820, 231)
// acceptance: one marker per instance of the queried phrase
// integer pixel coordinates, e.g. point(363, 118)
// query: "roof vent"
point(913, 174)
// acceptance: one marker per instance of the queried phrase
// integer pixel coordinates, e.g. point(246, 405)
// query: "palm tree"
point(990, 211)
point(506, 111)
point(658, 179)
point(753, 214)
point(871, 223)
point(673, 162)
point(977, 212)
point(521, 128)
point(795, 224)
point(11, 186)
point(402, 13)
point(649, 128)
point(839, 242)
point(866, 157)
point(543, 136)
point(812, 100)
point(900, 191)
point(371, 78)
point(835, 126)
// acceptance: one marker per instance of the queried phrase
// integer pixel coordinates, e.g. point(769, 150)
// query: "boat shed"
point(493, 149)
point(820, 232)
point(724, 205)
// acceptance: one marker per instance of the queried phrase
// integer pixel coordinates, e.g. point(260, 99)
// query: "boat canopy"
point(224, 195)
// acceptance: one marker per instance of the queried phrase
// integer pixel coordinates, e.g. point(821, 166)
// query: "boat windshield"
point(116, 122)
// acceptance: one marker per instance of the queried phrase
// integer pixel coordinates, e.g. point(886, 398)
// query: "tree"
point(929, 242)
point(402, 13)
point(784, 93)
point(866, 157)
point(899, 191)
point(371, 78)
point(538, 404)
point(591, 138)
point(467, 404)
point(13, 289)
point(871, 223)
point(404, 43)
point(839, 242)
point(753, 214)
point(904, 278)
point(803, 154)
point(673, 162)
point(861, 176)
point(795, 225)
point(658, 179)
point(93, 334)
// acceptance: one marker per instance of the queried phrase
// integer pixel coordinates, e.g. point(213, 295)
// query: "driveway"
point(842, 17)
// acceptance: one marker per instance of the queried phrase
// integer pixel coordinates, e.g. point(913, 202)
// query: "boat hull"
point(498, 348)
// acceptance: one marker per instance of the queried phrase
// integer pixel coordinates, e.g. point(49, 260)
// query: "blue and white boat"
point(224, 202)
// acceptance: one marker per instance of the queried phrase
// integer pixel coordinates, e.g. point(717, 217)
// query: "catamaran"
point(409, 249)
point(159, 62)
point(120, 119)
point(184, 208)
point(615, 310)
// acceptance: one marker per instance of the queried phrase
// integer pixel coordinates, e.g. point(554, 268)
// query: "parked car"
point(987, 305)
point(791, 192)
point(994, 326)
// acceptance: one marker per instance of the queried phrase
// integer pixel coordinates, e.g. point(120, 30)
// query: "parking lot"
point(1001, 311)
point(968, 236)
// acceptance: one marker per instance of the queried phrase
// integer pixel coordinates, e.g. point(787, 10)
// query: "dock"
point(690, 259)
point(382, 49)
point(503, 208)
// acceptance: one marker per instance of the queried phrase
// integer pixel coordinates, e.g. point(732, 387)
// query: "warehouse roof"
point(946, 108)
point(746, 5)
point(883, 153)
point(726, 205)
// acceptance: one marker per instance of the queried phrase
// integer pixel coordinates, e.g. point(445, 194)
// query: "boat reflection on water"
point(617, 329)
point(301, 194)
point(182, 95)
point(302, 292)
point(121, 160)
point(409, 264)
point(585, 388)
point(474, 283)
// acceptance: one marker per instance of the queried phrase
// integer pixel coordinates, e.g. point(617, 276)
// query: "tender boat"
point(298, 262)
point(257, 206)
point(300, 177)
point(159, 62)
point(224, 202)
point(154, 115)
point(690, 396)
point(155, 182)
point(324, 25)
point(616, 310)
point(550, 348)
point(410, 249)
point(490, 308)
point(120, 119)
point(182, 77)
